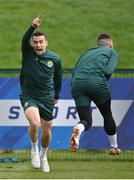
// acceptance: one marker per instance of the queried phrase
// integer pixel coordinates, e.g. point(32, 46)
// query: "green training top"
point(40, 76)
point(96, 64)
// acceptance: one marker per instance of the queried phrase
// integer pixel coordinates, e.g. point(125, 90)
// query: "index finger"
point(39, 15)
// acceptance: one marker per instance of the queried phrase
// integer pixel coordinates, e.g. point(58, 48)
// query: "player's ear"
point(32, 43)
point(110, 45)
point(46, 42)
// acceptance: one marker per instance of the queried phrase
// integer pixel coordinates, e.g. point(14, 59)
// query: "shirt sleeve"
point(25, 46)
point(112, 64)
point(58, 79)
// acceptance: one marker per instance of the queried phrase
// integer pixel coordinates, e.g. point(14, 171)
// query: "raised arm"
point(26, 38)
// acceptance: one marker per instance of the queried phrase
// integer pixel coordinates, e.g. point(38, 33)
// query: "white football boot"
point(114, 151)
point(44, 166)
point(35, 159)
point(75, 138)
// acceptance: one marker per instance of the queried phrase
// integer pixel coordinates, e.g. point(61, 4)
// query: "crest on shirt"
point(26, 104)
point(50, 63)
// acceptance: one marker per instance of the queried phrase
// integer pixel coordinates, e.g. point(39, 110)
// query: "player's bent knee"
point(35, 125)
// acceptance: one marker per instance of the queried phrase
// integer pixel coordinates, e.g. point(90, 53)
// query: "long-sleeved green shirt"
point(41, 76)
point(97, 63)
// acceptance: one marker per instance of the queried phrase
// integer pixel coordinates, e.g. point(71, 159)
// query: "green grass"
point(69, 170)
point(85, 164)
point(72, 26)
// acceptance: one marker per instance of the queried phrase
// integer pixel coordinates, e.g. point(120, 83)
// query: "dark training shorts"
point(84, 92)
point(45, 106)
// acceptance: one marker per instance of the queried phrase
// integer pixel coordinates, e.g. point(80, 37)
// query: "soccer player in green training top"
point(90, 83)
point(40, 80)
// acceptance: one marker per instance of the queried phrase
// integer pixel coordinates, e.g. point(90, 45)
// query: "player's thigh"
point(100, 96)
point(81, 100)
point(31, 110)
point(33, 116)
point(105, 107)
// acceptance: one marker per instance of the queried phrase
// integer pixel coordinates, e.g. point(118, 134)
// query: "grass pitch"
point(69, 170)
point(72, 27)
point(68, 165)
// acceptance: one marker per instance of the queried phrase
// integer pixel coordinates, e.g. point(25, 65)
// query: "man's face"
point(39, 43)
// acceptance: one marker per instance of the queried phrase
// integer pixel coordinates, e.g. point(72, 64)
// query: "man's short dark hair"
point(102, 37)
point(39, 33)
